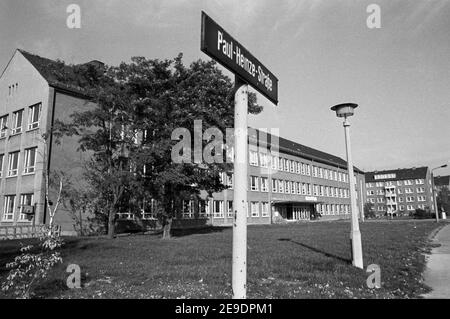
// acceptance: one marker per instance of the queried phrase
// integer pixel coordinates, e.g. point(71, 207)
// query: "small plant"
point(29, 269)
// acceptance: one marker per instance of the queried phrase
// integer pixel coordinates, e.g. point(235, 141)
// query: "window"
point(254, 208)
point(253, 158)
point(335, 175)
point(230, 208)
point(13, 163)
point(280, 164)
point(3, 126)
point(400, 199)
point(287, 188)
point(263, 160)
point(325, 174)
point(34, 115)
point(264, 209)
point(30, 160)
point(314, 171)
point(2, 156)
point(410, 199)
point(316, 190)
point(303, 172)
point(254, 183)
point(399, 183)
point(420, 182)
point(218, 209)
point(321, 190)
point(321, 172)
point(400, 191)
point(421, 198)
point(264, 184)
point(188, 209)
point(281, 186)
point(410, 207)
point(274, 185)
point(402, 207)
point(293, 187)
point(408, 190)
point(287, 164)
point(204, 208)
point(299, 167)
point(17, 122)
point(308, 170)
point(421, 206)
point(8, 209)
point(299, 188)
point(274, 163)
point(408, 182)
point(420, 190)
point(25, 200)
point(230, 181)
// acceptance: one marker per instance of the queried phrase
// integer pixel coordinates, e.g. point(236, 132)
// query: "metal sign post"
point(222, 47)
point(239, 263)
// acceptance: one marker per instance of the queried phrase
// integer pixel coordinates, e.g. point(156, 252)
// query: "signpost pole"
point(239, 268)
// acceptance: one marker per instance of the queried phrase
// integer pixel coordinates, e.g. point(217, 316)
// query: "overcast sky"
point(322, 52)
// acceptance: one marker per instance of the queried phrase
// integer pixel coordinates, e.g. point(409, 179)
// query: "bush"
point(423, 214)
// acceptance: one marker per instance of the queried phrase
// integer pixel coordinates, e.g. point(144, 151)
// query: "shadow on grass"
point(196, 231)
point(327, 254)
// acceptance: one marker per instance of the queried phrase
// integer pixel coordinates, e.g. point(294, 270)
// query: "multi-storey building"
point(400, 192)
point(288, 181)
point(31, 100)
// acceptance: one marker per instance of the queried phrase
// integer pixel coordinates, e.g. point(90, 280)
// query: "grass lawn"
point(307, 260)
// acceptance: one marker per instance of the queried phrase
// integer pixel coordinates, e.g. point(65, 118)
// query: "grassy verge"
point(309, 260)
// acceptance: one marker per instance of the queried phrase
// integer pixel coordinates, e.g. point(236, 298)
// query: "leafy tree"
point(443, 200)
point(369, 210)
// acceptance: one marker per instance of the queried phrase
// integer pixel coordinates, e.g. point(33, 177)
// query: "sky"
point(322, 52)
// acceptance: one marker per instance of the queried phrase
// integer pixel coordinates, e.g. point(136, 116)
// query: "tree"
point(443, 199)
point(369, 210)
point(129, 133)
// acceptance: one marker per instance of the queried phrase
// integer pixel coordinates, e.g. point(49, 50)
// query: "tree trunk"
point(167, 228)
point(111, 226)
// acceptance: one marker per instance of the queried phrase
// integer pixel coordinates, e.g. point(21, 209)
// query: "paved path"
point(437, 273)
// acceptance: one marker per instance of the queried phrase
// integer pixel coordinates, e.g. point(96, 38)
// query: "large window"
point(253, 158)
point(17, 122)
point(254, 183)
point(8, 209)
point(30, 160)
point(230, 209)
point(264, 159)
point(2, 156)
point(274, 186)
point(254, 207)
point(3, 126)
point(34, 116)
point(264, 184)
point(13, 164)
point(264, 209)
point(25, 200)
point(218, 209)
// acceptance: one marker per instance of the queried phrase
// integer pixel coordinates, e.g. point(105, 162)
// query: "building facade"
point(400, 192)
point(31, 100)
point(288, 181)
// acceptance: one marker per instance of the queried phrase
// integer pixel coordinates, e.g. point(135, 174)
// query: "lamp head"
point(344, 109)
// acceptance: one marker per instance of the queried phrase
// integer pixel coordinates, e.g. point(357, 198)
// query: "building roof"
point(57, 74)
point(442, 180)
point(400, 174)
point(296, 149)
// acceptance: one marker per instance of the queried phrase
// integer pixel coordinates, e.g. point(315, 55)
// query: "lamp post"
point(346, 110)
point(436, 210)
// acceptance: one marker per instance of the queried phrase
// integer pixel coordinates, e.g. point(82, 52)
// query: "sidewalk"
point(437, 273)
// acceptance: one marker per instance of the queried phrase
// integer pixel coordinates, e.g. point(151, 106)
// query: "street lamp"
point(346, 110)
point(436, 210)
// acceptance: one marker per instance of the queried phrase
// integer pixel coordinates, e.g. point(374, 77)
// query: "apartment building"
point(287, 181)
point(31, 100)
point(400, 192)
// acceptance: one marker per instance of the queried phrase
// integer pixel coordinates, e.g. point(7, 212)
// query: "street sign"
point(222, 47)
